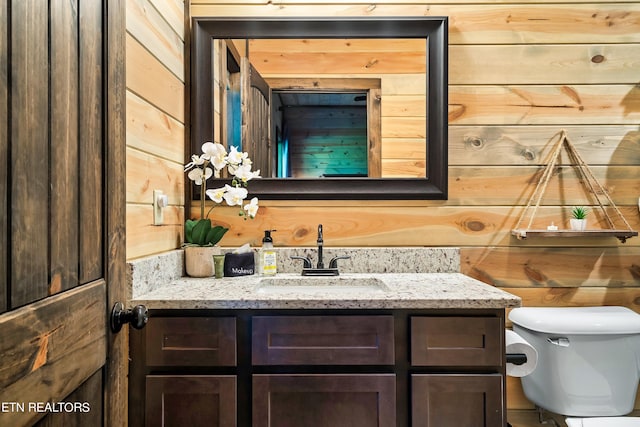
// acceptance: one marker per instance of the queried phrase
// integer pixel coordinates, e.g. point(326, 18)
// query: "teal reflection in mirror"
point(320, 134)
point(338, 108)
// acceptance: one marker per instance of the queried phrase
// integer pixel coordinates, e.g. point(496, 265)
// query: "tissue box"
point(239, 264)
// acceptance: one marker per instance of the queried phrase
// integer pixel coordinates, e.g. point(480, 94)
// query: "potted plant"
point(579, 218)
point(201, 237)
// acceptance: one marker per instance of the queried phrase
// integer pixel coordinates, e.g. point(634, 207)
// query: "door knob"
point(136, 316)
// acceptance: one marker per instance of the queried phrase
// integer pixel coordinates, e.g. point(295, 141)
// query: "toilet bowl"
point(603, 422)
point(588, 362)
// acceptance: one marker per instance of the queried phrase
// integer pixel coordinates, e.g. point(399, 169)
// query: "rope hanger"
point(594, 187)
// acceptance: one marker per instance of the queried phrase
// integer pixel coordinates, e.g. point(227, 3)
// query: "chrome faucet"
point(320, 270)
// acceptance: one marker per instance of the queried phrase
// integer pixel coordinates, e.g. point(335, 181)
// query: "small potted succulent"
point(578, 219)
point(201, 237)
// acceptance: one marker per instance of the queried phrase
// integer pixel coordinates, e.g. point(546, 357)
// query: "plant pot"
point(198, 260)
point(578, 224)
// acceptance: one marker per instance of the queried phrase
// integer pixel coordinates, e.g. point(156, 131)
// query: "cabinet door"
point(191, 341)
point(456, 341)
point(324, 400)
point(322, 340)
point(439, 400)
point(190, 400)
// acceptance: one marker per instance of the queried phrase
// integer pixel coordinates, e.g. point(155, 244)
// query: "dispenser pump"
point(267, 237)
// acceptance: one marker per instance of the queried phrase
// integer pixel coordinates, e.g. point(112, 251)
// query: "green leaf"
point(200, 231)
point(215, 234)
point(188, 230)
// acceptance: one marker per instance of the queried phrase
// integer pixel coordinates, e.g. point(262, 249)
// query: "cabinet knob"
point(137, 316)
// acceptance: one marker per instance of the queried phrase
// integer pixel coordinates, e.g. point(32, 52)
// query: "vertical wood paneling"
point(89, 392)
point(117, 364)
point(29, 151)
point(4, 152)
point(64, 147)
point(91, 132)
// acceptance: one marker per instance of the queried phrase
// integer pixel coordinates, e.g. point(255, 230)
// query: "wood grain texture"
point(153, 131)
point(513, 185)
point(173, 12)
point(149, 27)
point(4, 156)
point(144, 238)
point(616, 267)
point(151, 80)
point(557, 23)
point(523, 63)
point(29, 152)
point(91, 137)
point(155, 115)
point(558, 105)
point(364, 224)
point(608, 145)
point(64, 178)
point(53, 344)
point(153, 173)
point(117, 365)
point(90, 396)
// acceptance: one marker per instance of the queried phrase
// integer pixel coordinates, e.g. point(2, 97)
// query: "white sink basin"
point(322, 284)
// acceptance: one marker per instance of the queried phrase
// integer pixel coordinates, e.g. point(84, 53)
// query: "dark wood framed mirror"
point(432, 184)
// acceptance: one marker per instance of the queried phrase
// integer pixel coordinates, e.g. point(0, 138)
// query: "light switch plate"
point(158, 217)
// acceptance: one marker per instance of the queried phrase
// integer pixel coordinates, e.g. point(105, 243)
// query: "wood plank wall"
point(518, 73)
point(155, 122)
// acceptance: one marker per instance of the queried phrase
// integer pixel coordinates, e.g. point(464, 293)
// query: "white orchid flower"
point(216, 194)
point(195, 161)
point(198, 175)
point(244, 173)
point(235, 157)
point(211, 149)
point(252, 207)
point(235, 195)
point(214, 153)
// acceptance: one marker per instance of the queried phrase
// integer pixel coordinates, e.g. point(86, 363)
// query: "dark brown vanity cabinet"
point(457, 399)
point(317, 368)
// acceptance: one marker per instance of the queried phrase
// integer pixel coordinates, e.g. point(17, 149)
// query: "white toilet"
point(588, 362)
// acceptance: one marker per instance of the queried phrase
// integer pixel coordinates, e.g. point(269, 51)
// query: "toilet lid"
point(604, 422)
point(577, 320)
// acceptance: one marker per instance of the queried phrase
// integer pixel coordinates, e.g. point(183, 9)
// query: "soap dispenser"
point(268, 261)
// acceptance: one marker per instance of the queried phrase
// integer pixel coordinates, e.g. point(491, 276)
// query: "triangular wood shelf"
point(590, 181)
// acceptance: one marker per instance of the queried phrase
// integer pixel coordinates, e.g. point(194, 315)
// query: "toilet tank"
point(588, 358)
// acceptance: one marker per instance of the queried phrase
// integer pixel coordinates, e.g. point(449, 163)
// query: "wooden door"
point(255, 112)
point(62, 258)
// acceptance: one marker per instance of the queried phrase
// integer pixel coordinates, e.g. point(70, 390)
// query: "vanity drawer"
point(191, 341)
point(322, 340)
point(456, 341)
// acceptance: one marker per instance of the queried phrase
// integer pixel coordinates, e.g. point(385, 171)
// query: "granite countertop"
point(391, 291)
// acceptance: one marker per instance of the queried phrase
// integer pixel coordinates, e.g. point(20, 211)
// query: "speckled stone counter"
point(404, 278)
point(397, 290)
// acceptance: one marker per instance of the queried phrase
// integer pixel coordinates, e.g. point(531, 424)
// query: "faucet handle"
point(334, 261)
point(306, 261)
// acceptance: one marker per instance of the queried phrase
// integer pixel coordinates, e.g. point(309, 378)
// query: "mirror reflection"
point(324, 108)
point(396, 66)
